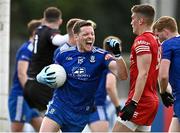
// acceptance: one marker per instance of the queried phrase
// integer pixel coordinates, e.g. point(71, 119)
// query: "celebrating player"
point(99, 119)
point(73, 103)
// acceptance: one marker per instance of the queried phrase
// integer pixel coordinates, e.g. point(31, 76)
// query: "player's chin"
point(89, 47)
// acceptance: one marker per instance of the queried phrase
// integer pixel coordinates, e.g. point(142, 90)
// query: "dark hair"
point(32, 25)
point(52, 14)
point(145, 10)
point(165, 22)
point(70, 24)
point(79, 24)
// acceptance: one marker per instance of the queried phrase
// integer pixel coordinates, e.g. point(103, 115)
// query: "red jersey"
point(145, 43)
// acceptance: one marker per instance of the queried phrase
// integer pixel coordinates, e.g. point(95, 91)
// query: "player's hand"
point(128, 111)
point(113, 45)
point(118, 110)
point(167, 99)
point(46, 78)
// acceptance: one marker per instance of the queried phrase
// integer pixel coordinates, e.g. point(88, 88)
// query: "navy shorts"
point(19, 110)
point(68, 120)
point(99, 115)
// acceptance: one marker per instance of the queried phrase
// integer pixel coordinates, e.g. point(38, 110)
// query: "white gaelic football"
point(60, 75)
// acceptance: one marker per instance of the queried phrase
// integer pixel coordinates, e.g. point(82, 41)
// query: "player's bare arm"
point(111, 88)
point(119, 68)
point(22, 72)
point(143, 65)
point(164, 74)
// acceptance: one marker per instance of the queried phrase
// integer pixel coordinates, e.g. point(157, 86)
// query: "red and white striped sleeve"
point(142, 47)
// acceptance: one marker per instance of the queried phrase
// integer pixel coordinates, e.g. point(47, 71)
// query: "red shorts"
point(145, 113)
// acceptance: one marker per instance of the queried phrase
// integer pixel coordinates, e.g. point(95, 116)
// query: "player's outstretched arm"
point(119, 67)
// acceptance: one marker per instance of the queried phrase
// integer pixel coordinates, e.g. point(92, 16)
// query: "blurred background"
point(112, 17)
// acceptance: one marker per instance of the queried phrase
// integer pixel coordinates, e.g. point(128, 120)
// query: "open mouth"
point(89, 43)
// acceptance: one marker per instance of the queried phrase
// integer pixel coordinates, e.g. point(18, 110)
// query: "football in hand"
point(60, 75)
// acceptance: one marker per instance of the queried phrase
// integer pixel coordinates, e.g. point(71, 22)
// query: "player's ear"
point(60, 21)
point(75, 37)
point(166, 31)
point(141, 21)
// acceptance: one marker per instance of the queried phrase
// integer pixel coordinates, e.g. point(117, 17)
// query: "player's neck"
point(145, 29)
point(72, 41)
point(52, 25)
point(174, 34)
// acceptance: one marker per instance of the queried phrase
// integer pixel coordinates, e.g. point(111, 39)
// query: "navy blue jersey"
point(171, 51)
point(63, 47)
point(100, 97)
point(84, 71)
point(24, 53)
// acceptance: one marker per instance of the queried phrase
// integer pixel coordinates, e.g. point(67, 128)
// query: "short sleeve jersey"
point(101, 93)
point(43, 50)
point(171, 51)
point(145, 43)
point(83, 75)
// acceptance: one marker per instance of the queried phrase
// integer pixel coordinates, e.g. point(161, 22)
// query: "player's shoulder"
point(173, 40)
point(68, 49)
point(145, 39)
point(146, 36)
point(30, 46)
point(45, 30)
point(169, 44)
point(65, 46)
point(26, 46)
point(43, 27)
point(98, 50)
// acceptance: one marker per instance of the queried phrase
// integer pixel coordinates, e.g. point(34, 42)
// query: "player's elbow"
point(123, 76)
point(59, 40)
point(163, 78)
point(21, 75)
point(108, 89)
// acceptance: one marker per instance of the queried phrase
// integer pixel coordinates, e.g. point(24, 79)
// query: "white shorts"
point(134, 127)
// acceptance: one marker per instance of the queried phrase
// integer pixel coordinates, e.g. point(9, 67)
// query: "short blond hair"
point(70, 24)
point(165, 22)
point(32, 25)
